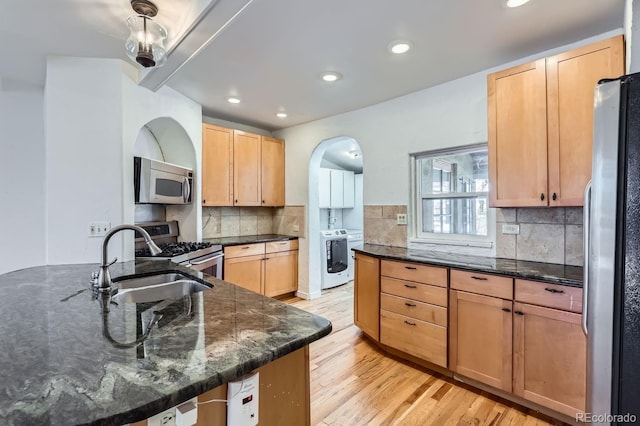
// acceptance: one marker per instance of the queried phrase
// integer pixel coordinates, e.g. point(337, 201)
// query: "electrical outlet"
point(99, 229)
point(401, 219)
point(510, 229)
point(166, 418)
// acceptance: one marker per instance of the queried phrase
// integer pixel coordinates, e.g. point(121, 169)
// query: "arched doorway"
point(338, 146)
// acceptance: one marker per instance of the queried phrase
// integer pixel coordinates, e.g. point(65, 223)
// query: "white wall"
point(447, 115)
point(22, 186)
point(93, 114)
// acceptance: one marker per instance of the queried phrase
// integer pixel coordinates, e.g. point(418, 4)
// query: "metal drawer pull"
point(506, 309)
point(518, 313)
point(410, 323)
point(553, 290)
point(410, 286)
point(479, 278)
point(411, 305)
point(410, 267)
point(246, 248)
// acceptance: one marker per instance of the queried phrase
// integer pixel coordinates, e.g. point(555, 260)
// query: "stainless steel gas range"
point(205, 257)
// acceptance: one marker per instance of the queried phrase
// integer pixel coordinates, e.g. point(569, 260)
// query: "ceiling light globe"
point(233, 100)
point(146, 42)
point(282, 115)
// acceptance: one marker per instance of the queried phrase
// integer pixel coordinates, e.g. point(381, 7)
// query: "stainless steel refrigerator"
point(611, 316)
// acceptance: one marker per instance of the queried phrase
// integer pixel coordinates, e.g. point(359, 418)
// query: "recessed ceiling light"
point(516, 3)
point(282, 115)
point(399, 46)
point(331, 76)
point(233, 99)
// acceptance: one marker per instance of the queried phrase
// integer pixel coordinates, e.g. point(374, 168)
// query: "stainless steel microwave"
point(157, 182)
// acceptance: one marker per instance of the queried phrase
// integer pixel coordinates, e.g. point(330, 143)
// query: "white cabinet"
point(337, 189)
point(348, 190)
point(325, 188)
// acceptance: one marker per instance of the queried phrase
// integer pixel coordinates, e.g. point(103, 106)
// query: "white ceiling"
point(271, 55)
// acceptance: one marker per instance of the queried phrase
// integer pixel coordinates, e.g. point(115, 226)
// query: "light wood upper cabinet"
point(540, 126)
point(366, 295)
point(571, 79)
point(272, 171)
point(247, 163)
point(217, 166)
point(241, 168)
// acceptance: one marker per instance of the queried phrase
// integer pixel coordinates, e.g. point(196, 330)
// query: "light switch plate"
point(510, 229)
point(401, 219)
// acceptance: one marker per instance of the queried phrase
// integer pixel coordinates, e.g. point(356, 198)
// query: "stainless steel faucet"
point(104, 282)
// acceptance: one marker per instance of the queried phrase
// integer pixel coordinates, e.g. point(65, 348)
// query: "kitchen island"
point(57, 367)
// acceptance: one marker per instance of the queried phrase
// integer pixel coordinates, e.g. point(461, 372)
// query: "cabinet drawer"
point(416, 291)
point(414, 309)
point(489, 285)
point(419, 338)
point(244, 250)
point(415, 272)
point(276, 246)
point(549, 295)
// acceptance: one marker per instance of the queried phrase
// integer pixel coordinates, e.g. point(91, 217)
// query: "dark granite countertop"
point(548, 272)
point(57, 367)
point(249, 239)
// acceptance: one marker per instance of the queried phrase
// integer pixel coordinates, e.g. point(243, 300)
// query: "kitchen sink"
point(152, 288)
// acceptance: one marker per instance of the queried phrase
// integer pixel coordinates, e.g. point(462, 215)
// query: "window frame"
point(416, 234)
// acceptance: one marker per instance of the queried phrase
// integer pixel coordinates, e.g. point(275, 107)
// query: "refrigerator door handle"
point(586, 226)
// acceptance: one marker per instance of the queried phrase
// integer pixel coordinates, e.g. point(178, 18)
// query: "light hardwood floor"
point(354, 383)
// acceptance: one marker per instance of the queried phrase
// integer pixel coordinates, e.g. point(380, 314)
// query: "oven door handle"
point(218, 256)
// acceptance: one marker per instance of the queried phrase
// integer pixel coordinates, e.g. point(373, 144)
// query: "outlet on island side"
point(401, 218)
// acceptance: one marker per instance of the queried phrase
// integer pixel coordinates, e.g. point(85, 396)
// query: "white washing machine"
point(355, 238)
point(335, 257)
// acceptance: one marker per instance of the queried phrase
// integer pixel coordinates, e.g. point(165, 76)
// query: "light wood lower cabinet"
point(480, 342)
point(366, 295)
point(270, 269)
point(284, 394)
point(413, 311)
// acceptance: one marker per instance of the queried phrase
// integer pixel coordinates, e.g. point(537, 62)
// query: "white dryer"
point(355, 238)
point(335, 257)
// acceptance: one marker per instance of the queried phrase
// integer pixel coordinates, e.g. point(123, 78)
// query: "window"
point(452, 195)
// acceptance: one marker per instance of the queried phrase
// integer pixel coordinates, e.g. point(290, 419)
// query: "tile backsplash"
point(551, 235)
point(219, 222)
point(380, 225)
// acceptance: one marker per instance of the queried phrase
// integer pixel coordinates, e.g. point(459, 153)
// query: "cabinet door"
point(348, 192)
point(281, 273)
point(517, 112)
point(571, 79)
point(272, 172)
point(245, 272)
point(366, 295)
point(324, 188)
point(549, 358)
point(247, 159)
point(217, 166)
point(337, 190)
point(480, 338)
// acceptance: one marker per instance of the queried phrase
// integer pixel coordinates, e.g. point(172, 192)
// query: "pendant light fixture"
point(145, 44)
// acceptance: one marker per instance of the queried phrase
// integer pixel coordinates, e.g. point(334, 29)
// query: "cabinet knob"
point(479, 278)
point(411, 268)
point(506, 309)
point(411, 305)
point(236, 201)
point(518, 313)
point(554, 196)
point(410, 323)
point(262, 201)
point(542, 197)
point(410, 286)
point(204, 201)
point(553, 290)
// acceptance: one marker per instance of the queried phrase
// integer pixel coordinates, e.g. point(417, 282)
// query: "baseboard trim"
point(308, 296)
